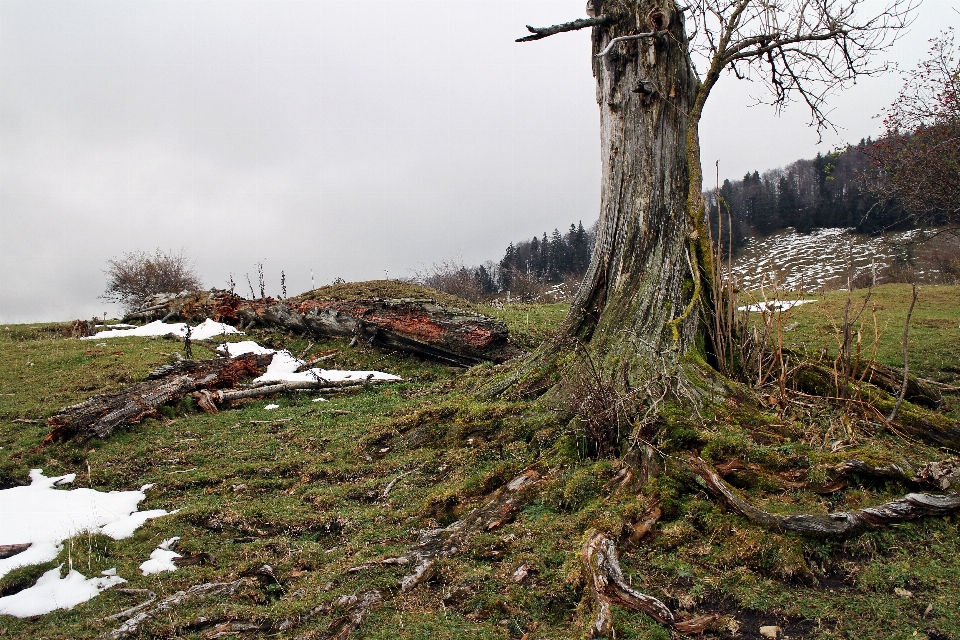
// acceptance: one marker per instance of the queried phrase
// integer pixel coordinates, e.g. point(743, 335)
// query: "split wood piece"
point(9, 550)
point(132, 626)
point(101, 414)
point(440, 543)
point(412, 325)
point(608, 586)
point(845, 523)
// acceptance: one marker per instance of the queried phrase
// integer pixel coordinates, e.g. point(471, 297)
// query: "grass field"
point(302, 489)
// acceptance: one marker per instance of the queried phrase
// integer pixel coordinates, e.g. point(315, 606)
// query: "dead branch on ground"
point(609, 587)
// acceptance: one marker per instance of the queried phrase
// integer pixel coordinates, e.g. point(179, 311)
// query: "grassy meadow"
point(304, 490)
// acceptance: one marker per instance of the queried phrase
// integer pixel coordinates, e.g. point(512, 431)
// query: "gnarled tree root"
point(439, 543)
point(132, 625)
point(844, 523)
point(609, 587)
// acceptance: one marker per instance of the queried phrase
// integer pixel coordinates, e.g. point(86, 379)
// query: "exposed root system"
point(844, 523)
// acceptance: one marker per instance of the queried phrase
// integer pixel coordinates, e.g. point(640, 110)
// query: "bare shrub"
point(137, 275)
point(475, 284)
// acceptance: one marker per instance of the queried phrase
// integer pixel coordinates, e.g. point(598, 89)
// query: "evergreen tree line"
point(548, 259)
point(833, 190)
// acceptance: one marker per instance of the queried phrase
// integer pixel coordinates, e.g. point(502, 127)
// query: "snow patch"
point(52, 592)
point(203, 331)
point(161, 559)
point(46, 516)
point(242, 348)
point(773, 305)
point(271, 407)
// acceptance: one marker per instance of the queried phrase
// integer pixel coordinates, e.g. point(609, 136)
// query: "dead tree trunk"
point(101, 414)
point(419, 326)
point(637, 311)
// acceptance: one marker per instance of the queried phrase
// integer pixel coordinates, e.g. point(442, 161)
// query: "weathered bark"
point(838, 524)
point(609, 587)
point(638, 309)
point(8, 550)
point(420, 326)
point(101, 414)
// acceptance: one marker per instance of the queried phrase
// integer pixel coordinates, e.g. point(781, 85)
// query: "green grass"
point(301, 488)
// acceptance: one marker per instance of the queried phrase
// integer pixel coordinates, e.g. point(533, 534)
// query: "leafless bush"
point(137, 275)
point(475, 284)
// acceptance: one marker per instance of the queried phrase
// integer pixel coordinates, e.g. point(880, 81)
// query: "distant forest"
point(830, 190)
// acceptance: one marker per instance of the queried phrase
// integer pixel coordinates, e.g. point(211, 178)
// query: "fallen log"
point(609, 587)
point(9, 550)
point(418, 325)
point(910, 507)
point(101, 414)
point(912, 419)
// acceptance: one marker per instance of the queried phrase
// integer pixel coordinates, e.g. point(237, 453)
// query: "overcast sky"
point(355, 139)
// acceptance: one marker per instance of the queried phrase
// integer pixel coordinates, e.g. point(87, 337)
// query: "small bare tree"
point(137, 275)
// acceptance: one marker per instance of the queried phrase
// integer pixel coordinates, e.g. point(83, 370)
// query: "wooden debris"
point(411, 325)
point(9, 550)
point(132, 626)
point(609, 587)
point(101, 414)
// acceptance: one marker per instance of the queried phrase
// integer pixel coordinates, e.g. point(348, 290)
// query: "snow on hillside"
point(813, 260)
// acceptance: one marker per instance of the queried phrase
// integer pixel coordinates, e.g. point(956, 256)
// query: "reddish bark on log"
point(421, 326)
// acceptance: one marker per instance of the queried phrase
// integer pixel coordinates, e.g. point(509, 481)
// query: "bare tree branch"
point(582, 23)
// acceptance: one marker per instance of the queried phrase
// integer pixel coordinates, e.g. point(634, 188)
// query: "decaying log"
point(912, 419)
point(608, 586)
point(909, 507)
point(132, 626)
point(818, 379)
point(440, 543)
point(412, 325)
point(9, 550)
point(101, 414)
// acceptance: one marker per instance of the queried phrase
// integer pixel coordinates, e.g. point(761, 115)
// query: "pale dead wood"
point(205, 590)
point(609, 587)
point(581, 23)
